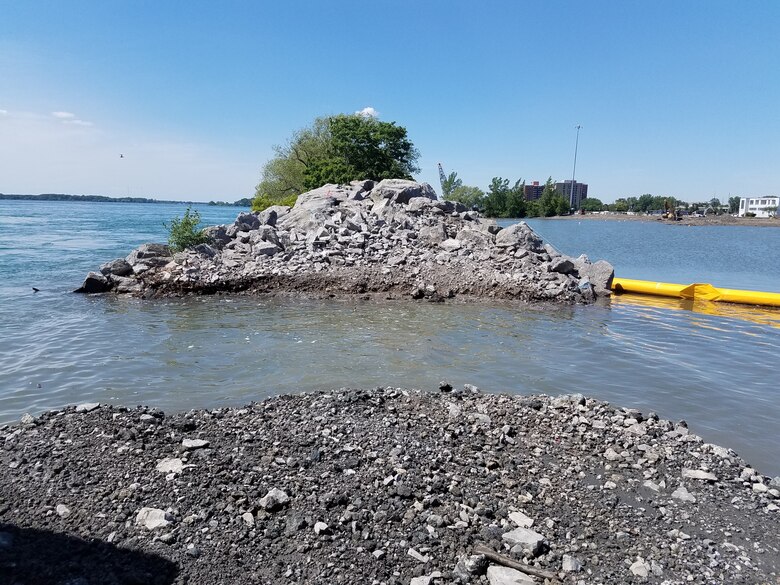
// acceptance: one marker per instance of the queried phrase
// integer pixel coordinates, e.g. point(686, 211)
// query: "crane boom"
point(442, 178)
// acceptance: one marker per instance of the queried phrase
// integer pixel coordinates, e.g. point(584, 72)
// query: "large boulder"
point(476, 239)
point(401, 191)
point(143, 253)
point(94, 283)
point(247, 221)
point(519, 235)
point(218, 235)
point(118, 267)
point(599, 274)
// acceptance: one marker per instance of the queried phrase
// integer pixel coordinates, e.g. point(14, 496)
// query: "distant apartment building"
point(574, 196)
point(533, 191)
point(760, 206)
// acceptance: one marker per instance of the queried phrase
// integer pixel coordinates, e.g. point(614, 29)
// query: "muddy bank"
point(394, 237)
point(380, 486)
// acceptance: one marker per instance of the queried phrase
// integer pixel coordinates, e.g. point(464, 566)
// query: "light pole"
point(574, 170)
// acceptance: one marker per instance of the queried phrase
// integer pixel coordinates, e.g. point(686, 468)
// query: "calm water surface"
point(714, 365)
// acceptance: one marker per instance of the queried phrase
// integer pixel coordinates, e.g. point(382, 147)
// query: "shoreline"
point(719, 220)
point(394, 485)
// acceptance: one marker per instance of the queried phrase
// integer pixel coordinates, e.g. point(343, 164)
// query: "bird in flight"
point(121, 156)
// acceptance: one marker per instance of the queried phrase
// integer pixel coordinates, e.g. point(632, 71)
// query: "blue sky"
point(674, 97)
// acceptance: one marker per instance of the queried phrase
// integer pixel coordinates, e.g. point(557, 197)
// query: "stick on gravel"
point(513, 564)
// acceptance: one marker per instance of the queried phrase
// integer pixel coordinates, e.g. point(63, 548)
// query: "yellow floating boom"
point(696, 291)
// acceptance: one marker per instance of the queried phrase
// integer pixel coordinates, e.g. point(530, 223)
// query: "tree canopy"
point(337, 149)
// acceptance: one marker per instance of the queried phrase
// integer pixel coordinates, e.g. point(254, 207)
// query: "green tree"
point(592, 204)
point(469, 196)
point(515, 200)
point(533, 209)
point(362, 147)
point(183, 232)
point(714, 203)
point(734, 204)
point(449, 185)
point(551, 202)
point(497, 197)
point(336, 149)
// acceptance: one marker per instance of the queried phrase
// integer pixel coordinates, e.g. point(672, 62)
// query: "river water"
point(716, 366)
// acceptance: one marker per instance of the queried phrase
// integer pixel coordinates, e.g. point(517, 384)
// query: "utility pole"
point(574, 170)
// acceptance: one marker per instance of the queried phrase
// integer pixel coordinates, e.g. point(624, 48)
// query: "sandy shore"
point(380, 486)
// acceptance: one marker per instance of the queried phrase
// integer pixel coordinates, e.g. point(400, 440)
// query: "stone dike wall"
point(384, 486)
point(394, 237)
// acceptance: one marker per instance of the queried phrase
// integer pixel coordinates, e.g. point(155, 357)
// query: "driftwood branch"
point(513, 564)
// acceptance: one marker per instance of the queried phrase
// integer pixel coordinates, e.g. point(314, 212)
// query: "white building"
point(761, 206)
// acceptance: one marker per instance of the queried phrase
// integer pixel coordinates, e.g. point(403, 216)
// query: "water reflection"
point(760, 315)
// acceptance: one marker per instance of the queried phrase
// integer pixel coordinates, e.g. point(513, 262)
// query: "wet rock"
point(94, 283)
point(87, 406)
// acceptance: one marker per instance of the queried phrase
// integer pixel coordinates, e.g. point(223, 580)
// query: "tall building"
point(576, 195)
point(533, 191)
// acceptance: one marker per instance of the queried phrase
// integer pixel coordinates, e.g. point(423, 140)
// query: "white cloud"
point(368, 112)
point(77, 122)
point(3, 112)
point(63, 115)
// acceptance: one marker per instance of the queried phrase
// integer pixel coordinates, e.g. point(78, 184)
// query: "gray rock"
point(265, 249)
point(274, 500)
point(94, 283)
point(205, 250)
point(519, 235)
point(521, 519)
point(417, 555)
point(87, 406)
point(248, 519)
point(28, 419)
point(401, 190)
point(432, 235)
point(699, 474)
point(267, 217)
point(562, 265)
point(450, 245)
point(118, 267)
point(640, 568)
point(321, 528)
point(683, 495)
point(170, 465)
point(529, 540)
point(62, 511)
point(474, 238)
point(498, 575)
point(192, 444)
point(571, 564)
point(247, 221)
point(153, 518)
point(599, 274)
point(218, 236)
point(146, 252)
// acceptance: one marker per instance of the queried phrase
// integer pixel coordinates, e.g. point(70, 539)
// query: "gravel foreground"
point(379, 486)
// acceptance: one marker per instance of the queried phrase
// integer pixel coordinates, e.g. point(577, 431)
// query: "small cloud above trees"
point(368, 112)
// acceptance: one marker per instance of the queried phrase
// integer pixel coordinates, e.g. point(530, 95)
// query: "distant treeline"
point(104, 199)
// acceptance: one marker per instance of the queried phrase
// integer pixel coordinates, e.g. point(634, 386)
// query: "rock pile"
point(394, 237)
point(386, 486)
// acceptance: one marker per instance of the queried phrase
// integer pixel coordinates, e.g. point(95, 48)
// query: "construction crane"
point(442, 179)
